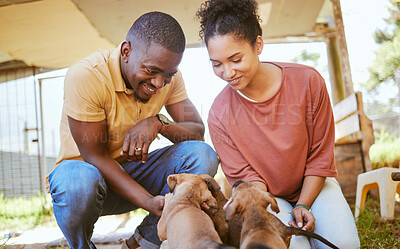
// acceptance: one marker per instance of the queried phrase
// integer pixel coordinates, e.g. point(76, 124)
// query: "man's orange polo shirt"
point(94, 90)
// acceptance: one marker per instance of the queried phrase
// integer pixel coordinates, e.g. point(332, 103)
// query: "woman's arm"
point(303, 218)
point(320, 158)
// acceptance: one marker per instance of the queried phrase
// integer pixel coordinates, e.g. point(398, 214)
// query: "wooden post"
point(367, 133)
point(335, 70)
point(342, 50)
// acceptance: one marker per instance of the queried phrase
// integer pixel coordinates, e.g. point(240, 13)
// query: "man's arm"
point(91, 142)
point(188, 124)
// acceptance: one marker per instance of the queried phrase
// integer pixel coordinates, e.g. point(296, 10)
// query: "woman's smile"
point(235, 81)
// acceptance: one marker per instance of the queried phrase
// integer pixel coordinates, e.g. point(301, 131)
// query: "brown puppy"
point(183, 222)
point(229, 232)
point(260, 226)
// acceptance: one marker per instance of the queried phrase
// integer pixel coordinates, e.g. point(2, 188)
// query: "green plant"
point(3, 245)
point(385, 152)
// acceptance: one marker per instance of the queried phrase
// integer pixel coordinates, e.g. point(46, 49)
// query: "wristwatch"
point(164, 121)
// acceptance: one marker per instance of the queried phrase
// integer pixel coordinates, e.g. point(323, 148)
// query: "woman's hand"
point(303, 219)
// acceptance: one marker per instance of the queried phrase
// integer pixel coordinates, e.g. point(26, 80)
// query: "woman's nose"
point(229, 72)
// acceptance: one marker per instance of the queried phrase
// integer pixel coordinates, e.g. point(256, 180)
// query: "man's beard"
point(137, 97)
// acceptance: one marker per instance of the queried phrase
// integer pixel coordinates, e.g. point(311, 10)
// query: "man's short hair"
point(160, 28)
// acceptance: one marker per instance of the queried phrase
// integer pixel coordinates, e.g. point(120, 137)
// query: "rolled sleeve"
point(320, 159)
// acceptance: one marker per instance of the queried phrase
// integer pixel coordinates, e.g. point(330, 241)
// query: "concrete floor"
point(108, 233)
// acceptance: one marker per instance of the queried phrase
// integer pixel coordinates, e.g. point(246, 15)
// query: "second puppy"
point(229, 231)
point(259, 226)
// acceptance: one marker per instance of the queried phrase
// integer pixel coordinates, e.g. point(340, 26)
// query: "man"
point(110, 117)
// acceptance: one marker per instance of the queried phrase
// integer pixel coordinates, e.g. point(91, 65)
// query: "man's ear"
point(171, 181)
point(125, 50)
point(270, 199)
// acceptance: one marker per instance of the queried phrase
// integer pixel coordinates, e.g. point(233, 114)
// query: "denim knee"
point(203, 157)
point(77, 188)
point(350, 243)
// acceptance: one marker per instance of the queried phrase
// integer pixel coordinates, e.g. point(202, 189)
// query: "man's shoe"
point(125, 245)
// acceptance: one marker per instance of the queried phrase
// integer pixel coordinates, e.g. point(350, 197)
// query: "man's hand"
point(94, 151)
point(138, 139)
point(157, 204)
point(303, 219)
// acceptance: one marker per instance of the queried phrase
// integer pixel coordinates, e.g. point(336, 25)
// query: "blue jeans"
point(80, 194)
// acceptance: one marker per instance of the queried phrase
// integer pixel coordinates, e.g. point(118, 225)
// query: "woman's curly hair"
point(235, 17)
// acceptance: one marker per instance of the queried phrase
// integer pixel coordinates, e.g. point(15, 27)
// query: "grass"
point(375, 233)
point(24, 213)
point(4, 245)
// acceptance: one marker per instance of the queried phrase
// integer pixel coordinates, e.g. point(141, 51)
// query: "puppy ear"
point(270, 199)
point(161, 225)
point(171, 181)
point(230, 209)
point(212, 184)
point(162, 229)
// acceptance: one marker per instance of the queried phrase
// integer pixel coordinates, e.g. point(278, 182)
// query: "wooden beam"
point(335, 70)
point(342, 49)
point(14, 70)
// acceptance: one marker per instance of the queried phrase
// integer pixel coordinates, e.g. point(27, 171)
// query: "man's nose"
point(158, 81)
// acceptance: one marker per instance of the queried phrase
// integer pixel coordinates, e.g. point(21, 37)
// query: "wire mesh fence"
point(19, 152)
point(21, 172)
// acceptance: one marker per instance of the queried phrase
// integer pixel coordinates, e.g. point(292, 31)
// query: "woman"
point(273, 124)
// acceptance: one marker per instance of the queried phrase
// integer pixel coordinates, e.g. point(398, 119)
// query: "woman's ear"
point(259, 45)
point(125, 50)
